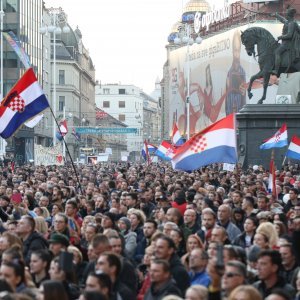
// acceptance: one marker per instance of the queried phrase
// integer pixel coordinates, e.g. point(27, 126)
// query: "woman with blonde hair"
point(245, 292)
point(196, 292)
point(8, 239)
point(192, 242)
point(41, 226)
point(137, 219)
point(268, 230)
point(78, 262)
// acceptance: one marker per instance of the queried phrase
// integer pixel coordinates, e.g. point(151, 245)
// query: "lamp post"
point(58, 25)
point(185, 37)
point(2, 14)
point(83, 120)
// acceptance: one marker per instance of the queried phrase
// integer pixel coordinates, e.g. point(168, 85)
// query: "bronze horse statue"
point(266, 46)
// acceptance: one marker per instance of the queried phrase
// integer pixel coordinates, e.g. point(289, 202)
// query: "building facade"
point(124, 103)
point(74, 82)
point(23, 17)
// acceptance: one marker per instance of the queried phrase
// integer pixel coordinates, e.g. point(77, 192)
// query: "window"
point(121, 104)
point(106, 91)
point(61, 103)
point(121, 91)
point(106, 104)
point(61, 77)
point(122, 118)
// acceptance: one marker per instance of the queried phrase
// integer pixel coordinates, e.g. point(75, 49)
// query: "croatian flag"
point(151, 148)
point(177, 139)
point(23, 102)
point(214, 144)
point(63, 126)
point(165, 151)
point(63, 130)
point(76, 135)
point(145, 152)
point(294, 148)
point(278, 140)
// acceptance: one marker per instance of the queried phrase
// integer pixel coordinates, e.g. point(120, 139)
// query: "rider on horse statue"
point(290, 38)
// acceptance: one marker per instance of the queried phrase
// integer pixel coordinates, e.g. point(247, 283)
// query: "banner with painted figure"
point(48, 155)
point(219, 73)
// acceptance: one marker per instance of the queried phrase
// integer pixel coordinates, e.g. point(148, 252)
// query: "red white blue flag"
point(177, 139)
point(214, 144)
point(294, 148)
point(278, 140)
point(165, 151)
point(23, 102)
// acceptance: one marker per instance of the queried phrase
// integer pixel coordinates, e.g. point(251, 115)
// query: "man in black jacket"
point(31, 239)
point(162, 283)
point(110, 263)
point(268, 267)
point(165, 249)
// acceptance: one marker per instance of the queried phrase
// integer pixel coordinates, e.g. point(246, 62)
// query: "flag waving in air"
point(214, 144)
point(63, 126)
point(177, 139)
point(294, 148)
point(278, 140)
point(63, 130)
point(147, 149)
point(145, 152)
point(165, 151)
point(76, 135)
point(23, 102)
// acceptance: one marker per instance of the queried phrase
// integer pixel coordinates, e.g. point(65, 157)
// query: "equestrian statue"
point(274, 57)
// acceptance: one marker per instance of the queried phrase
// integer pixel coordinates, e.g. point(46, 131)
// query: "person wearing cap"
point(162, 200)
point(58, 243)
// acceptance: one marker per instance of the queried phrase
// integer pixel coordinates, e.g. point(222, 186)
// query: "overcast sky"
point(126, 38)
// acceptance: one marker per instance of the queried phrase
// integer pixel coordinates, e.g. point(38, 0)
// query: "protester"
point(230, 216)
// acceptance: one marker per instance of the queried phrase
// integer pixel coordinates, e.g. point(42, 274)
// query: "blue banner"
point(105, 130)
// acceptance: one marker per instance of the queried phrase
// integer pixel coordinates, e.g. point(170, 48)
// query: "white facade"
point(125, 103)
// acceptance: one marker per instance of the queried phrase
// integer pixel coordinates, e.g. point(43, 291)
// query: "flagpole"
point(72, 162)
point(64, 146)
point(274, 192)
point(2, 14)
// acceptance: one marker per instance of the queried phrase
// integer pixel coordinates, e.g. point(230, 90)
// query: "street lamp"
point(58, 25)
point(185, 37)
point(83, 121)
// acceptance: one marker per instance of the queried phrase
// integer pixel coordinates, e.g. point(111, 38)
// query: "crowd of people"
point(131, 231)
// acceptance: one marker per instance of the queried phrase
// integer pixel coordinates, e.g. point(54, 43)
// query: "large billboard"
point(218, 70)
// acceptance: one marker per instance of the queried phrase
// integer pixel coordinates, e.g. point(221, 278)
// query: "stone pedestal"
point(257, 123)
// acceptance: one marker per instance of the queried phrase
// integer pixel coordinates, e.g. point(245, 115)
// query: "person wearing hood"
point(129, 236)
point(31, 239)
point(162, 283)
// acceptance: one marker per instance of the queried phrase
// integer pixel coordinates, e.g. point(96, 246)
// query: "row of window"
point(106, 104)
point(106, 91)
